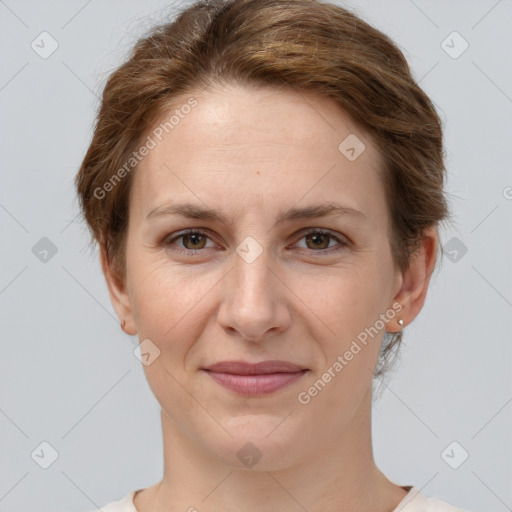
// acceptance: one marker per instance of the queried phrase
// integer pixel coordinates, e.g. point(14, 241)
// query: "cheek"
point(166, 301)
point(345, 301)
point(347, 306)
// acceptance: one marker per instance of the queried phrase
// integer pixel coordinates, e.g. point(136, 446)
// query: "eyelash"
point(343, 244)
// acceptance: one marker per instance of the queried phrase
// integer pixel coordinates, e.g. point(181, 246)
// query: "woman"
point(265, 182)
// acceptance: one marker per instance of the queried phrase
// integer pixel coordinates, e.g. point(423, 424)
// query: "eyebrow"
point(193, 211)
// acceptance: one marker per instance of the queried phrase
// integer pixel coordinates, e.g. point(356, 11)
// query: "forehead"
point(258, 146)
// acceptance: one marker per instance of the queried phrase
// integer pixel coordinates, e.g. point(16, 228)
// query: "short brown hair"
point(301, 44)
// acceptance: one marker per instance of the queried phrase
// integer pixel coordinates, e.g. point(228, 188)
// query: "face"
point(273, 275)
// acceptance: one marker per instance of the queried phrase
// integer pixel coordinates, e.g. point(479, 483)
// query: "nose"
point(255, 301)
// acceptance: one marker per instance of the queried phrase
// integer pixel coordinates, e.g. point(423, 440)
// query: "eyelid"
point(324, 231)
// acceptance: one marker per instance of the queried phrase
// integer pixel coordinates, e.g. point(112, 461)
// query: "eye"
point(193, 241)
point(318, 241)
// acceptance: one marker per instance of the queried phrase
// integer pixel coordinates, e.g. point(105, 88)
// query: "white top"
point(414, 501)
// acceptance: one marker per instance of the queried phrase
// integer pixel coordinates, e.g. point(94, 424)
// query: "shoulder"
point(124, 504)
point(416, 501)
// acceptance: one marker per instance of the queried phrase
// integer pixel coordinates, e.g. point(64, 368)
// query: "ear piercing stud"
point(401, 322)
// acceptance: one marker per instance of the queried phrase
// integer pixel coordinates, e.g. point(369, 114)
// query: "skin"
point(252, 154)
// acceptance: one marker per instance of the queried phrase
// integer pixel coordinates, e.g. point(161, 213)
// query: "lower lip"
point(256, 384)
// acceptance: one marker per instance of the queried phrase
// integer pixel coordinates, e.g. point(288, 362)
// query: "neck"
point(338, 473)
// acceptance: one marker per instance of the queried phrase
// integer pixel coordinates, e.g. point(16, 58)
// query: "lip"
point(255, 378)
point(244, 368)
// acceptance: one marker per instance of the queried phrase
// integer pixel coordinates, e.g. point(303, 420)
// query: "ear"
point(413, 283)
point(118, 294)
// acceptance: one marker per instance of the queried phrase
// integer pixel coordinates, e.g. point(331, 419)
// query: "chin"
point(258, 443)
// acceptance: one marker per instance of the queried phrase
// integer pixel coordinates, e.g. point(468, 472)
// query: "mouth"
point(255, 378)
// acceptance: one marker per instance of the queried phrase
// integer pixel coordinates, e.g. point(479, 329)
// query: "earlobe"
point(118, 295)
point(415, 280)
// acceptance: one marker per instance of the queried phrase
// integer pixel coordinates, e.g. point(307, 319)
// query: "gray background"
point(68, 373)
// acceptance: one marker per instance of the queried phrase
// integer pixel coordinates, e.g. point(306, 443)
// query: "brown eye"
point(194, 241)
point(318, 240)
point(191, 241)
